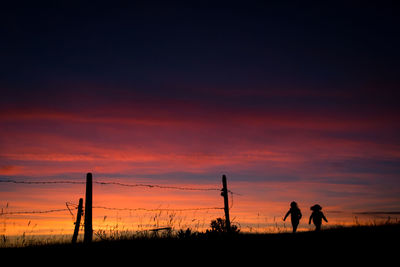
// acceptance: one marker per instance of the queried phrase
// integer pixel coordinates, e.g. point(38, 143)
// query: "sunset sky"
point(291, 102)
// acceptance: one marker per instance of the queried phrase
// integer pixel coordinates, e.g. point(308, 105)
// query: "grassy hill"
point(345, 245)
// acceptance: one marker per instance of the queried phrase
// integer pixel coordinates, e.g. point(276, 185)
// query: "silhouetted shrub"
point(218, 226)
point(185, 234)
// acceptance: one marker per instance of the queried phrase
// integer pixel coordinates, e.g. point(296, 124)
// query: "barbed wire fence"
point(116, 183)
point(72, 207)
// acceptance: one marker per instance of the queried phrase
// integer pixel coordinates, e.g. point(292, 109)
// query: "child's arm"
point(323, 217)
point(287, 214)
point(309, 221)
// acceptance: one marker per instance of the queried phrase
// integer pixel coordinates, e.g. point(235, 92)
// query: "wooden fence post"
point(78, 221)
point(226, 203)
point(87, 238)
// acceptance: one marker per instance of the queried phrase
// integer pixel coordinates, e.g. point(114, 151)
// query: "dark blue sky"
point(183, 50)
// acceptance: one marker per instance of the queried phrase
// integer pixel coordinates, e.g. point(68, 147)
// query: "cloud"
point(9, 169)
point(172, 136)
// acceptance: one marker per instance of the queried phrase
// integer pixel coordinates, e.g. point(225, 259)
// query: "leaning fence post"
point(224, 193)
point(87, 238)
point(78, 221)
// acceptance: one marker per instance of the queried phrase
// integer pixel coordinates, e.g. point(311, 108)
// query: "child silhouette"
point(295, 217)
point(317, 215)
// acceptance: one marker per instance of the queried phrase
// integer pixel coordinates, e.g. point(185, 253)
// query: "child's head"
point(293, 205)
point(316, 207)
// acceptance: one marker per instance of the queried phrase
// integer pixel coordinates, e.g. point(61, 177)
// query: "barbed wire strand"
point(163, 186)
point(118, 184)
point(231, 206)
point(111, 183)
point(40, 182)
point(106, 208)
point(32, 212)
point(68, 204)
point(157, 186)
point(72, 204)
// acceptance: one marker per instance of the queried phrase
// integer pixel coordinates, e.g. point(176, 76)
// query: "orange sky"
point(269, 160)
point(289, 102)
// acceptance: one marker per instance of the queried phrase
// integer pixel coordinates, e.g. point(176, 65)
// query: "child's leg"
point(295, 224)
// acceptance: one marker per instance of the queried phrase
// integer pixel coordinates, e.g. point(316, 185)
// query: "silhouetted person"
point(317, 215)
point(295, 215)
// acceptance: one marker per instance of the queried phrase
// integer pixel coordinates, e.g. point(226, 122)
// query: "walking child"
point(317, 215)
point(295, 217)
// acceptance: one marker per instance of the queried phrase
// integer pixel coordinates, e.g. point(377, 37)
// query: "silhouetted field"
point(345, 245)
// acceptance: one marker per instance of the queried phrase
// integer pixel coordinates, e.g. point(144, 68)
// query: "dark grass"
point(337, 246)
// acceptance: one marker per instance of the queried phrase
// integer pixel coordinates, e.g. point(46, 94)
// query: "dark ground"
point(341, 246)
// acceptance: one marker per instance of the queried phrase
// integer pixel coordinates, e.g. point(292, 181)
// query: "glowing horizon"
point(164, 208)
